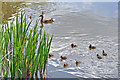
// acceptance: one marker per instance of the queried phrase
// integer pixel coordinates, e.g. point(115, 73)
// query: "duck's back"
point(48, 20)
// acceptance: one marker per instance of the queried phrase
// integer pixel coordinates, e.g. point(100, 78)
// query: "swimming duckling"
point(92, 47)
point(46, 21)
point(51, 55)
point(77, 63)
point(99, 57)
point(104, 54)
point(63, 57)
point(66, 65)
point(73, 45)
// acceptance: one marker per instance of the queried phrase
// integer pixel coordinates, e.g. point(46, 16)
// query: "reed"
point(23, 50)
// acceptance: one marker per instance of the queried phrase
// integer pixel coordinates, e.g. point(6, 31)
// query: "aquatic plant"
point(23, 50)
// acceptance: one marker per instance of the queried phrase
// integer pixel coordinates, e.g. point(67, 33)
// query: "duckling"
point(46, 21)
point(51, 55)
point(77, 63)
point(37, 41)
point(63, 58)
point(92, 47)
point(99, 57)
point(10, 50)
point(66, 65)
point(30, 17)
point(104, 54)
point(73, 45)
point(27, 38)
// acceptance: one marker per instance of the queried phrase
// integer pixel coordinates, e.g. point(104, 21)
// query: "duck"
point(51, 55)
point(46, 21)
point(10, 50)
point(27, 38)
point(99, 57)
point(66, 65)
point(77, 63)
point(104, 54)
point(30, 17)
point(63, 58)
point(92, 47)
point(73, 45)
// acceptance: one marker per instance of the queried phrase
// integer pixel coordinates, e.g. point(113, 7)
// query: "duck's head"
point(42, 12)
point(90, 46)
point(72, 44)
point(97, 54)
point(61, 56)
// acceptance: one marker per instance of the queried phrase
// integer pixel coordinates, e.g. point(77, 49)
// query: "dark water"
point(82, 24)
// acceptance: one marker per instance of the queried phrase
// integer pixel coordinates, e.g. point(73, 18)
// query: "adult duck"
point(46, 21)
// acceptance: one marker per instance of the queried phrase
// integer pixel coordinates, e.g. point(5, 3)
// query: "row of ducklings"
point(98, 56)
point(65, 58)
point(78, 62)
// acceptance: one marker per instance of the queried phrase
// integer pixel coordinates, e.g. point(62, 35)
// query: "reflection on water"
point(10, 8)
point(81, 24)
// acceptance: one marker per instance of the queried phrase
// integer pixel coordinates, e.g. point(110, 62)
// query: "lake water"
point(82, 24)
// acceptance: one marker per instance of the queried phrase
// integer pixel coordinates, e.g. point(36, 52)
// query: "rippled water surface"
point(82, 24)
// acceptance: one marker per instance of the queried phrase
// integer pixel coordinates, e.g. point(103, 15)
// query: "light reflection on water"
point(81, 24)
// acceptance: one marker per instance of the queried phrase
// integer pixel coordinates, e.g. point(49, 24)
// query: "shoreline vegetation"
point(23, 50)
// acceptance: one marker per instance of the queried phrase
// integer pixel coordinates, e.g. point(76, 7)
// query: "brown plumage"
point(77, 63)
point(66, 65)
point(27, 38)
point(73, 45)
point(37, 41)
point(99, 57)
point(92, 47)
point(51, 55)
point(46, 21)
point(104, 54)
point(30, 17)
point(63, 57)
point(10, 50)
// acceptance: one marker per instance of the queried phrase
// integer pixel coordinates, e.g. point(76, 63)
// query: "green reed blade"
point(26, 58)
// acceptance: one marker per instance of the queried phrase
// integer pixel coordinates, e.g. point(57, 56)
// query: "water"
point(82, 24)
